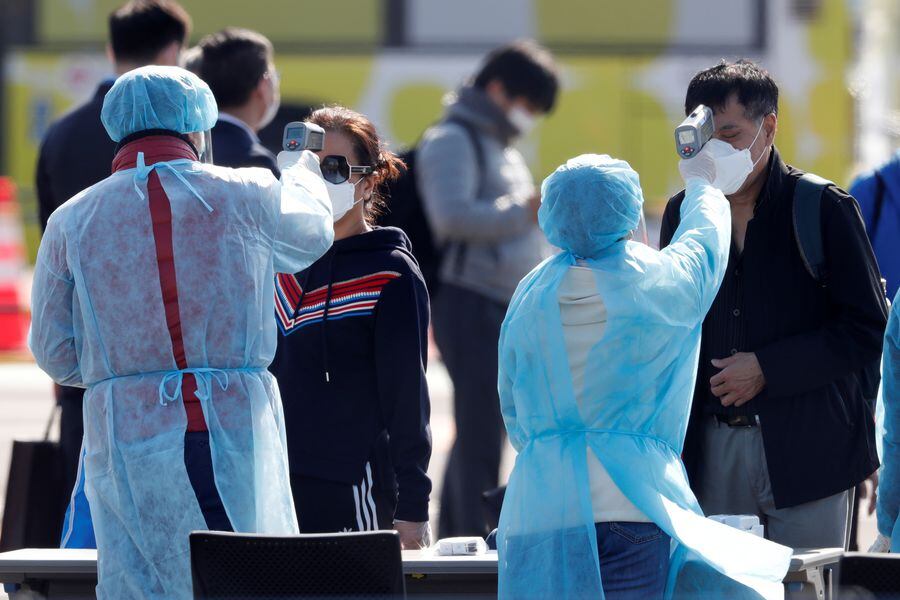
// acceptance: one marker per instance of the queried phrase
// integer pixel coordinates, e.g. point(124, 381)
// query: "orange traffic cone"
point(13, 317)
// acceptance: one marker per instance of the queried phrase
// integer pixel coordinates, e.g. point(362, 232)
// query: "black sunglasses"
point(336, 169)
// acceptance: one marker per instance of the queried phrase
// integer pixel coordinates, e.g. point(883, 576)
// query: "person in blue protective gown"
point(598, 357)
point(888, 505)
point(153, 289)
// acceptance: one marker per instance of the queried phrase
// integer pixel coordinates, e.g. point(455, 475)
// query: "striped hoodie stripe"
point(356, 297)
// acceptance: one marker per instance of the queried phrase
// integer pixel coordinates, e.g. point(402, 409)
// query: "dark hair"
point(141, 29)
point(192, 59)
point(750, 83)
point(233, 62)
point(525, 69)
point(370, 150)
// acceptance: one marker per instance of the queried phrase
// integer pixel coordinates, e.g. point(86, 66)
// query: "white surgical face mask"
point(271, 111)
point(343, 198)
point(273, 107)
point(522, 120)
point(733, 166)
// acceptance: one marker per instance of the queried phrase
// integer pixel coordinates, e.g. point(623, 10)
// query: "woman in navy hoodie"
point(352, 354)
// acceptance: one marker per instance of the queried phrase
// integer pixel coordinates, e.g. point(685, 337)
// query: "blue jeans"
point(634, 560)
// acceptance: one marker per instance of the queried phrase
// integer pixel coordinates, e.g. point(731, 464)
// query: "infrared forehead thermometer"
point(299, 136)
point(694, 132)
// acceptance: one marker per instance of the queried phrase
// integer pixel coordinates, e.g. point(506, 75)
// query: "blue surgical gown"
point(889, 414)
point(639, 383)
point(99, 322)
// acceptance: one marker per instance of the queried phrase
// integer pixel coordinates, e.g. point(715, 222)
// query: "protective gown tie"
point(204, 377)
point(142, 175)
point(553, 433)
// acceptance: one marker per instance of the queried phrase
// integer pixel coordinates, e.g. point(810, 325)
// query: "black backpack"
point(406, 211)
point(807, 216)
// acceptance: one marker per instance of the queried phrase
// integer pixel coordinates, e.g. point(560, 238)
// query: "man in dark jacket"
point(77, 152)
point(238, 66)
point(779, 427)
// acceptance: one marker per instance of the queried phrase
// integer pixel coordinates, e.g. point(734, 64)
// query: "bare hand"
point(864, 492)
point(740, 379)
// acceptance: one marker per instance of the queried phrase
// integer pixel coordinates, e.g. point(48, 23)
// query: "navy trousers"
point(198, 462)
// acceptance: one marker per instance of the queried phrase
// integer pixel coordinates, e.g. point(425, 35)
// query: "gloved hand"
point(301, 170)
point(413, 536)
point(701, 166)
point(306, 158)
point(882, 544)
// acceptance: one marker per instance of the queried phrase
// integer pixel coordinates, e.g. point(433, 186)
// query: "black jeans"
point(467, 331)
point(198, 462)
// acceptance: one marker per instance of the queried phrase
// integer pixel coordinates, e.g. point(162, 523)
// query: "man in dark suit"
point(238, 66)
point(780, 427)
point(77, 152)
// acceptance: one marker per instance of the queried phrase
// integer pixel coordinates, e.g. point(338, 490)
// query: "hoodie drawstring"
point(325, 316)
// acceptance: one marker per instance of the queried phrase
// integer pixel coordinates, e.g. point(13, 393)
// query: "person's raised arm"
point(694, 261)
point(305, 226)
point(670, 219)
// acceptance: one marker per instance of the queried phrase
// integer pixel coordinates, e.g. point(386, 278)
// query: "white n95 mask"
point(343, 198)
point(522, 120)
point(733, 166)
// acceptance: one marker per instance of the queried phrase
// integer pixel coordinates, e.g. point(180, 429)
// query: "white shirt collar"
point(223, 116)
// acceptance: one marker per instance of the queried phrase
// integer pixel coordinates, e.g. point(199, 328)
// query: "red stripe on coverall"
point(157, 149)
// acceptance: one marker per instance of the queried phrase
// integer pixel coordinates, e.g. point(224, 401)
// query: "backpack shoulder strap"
point(808, 223)
point(476, 145)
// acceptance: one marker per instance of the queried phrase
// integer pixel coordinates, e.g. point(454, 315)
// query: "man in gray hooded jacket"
point(481, 204)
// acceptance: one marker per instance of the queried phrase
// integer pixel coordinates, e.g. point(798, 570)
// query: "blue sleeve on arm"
point(694, 261)
point(889, 485)
point(52, 335)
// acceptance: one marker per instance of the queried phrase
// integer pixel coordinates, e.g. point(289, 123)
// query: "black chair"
point(863, 576)
point(339, 565)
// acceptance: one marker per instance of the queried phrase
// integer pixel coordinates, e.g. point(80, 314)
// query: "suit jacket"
point(75, 154)
point(235, 147)
point(811, 341)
